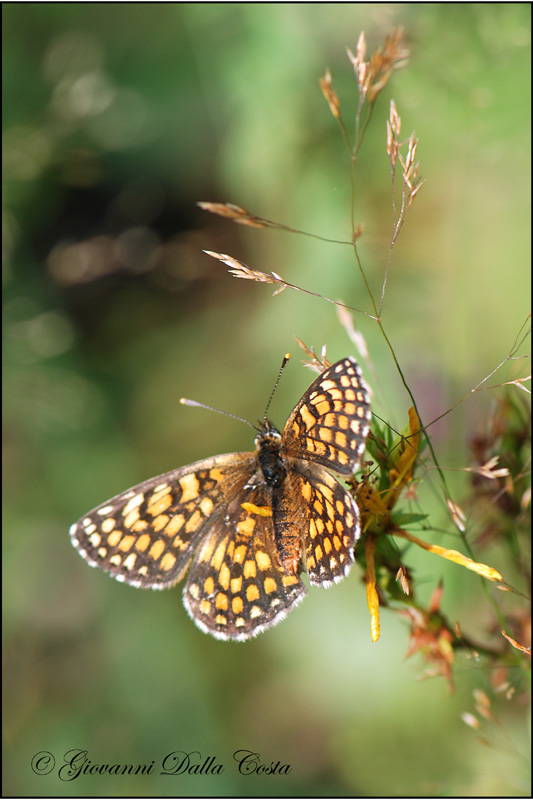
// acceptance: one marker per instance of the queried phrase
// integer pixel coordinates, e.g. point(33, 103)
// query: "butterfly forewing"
point(147, 535)
point(330, 423)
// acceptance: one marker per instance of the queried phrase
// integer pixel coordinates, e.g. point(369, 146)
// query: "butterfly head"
point(266, 432)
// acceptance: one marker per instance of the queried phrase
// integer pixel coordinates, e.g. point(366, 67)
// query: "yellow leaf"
point(453, 555)
point(372, 598)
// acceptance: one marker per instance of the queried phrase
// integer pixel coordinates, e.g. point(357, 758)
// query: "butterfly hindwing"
point(326, 525)
point(237, 585)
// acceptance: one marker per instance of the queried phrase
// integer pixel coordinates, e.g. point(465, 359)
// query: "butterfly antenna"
point(283, 363)
point(186, 402)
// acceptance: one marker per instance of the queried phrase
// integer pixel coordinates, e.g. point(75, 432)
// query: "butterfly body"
point(245, 525)
point(268, 443)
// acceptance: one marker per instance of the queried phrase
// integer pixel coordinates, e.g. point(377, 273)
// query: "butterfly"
point(244, 526)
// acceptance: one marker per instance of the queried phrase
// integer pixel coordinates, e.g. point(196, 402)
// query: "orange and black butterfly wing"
point(316, 517)
point(237, 585)
point(147, 535)
point(193, 519)
point(330, 423)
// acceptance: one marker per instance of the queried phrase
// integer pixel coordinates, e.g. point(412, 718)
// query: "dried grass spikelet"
point(372, 76)
point(408, 163)
point(240, 270)
point(487, 470)
point(457, 514)
point(330, 94)
point(316, 362)
point(234, 212)
point(401, 576)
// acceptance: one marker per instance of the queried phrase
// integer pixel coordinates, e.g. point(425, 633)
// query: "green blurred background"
point(117, 119)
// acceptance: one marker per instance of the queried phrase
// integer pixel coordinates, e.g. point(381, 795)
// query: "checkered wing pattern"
point(237, 585)
point(326, 513)
point(245, 525)
point(330, 423)
point(149, 535)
